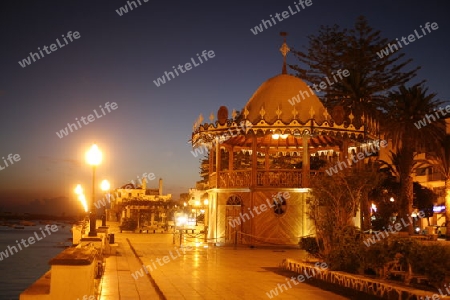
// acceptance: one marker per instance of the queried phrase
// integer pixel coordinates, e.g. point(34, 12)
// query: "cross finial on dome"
point(284, 51)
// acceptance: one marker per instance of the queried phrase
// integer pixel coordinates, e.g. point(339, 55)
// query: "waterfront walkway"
point(195, 272)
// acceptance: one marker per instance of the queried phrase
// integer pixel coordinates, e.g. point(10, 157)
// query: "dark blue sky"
point(117, 58)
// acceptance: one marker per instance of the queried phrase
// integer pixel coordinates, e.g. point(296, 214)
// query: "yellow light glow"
point(197, 203)
point(78, 189)
point(392, 199)
point(181, 221)
point(302, 190)
point(82, 199)
point(284, 136)
point(206, 202)
point(105, 185)
point(94, 156)
point(275, 136)
point(374, 207)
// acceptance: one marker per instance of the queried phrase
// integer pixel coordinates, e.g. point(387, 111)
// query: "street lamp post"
point(197, 203)
point(205, 220)
point(105, 187)
point(93, 158)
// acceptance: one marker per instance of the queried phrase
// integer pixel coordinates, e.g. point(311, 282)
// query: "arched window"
point(234, 200)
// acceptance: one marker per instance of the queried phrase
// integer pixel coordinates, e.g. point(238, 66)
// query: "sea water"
point(22, 269)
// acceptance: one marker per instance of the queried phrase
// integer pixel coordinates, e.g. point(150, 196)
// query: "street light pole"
point(205, 220)
point(93, 212)
point(94, 158)
point(197, 203)
point(105, 186)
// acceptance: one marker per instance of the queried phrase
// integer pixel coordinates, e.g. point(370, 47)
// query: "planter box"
point(376, 287)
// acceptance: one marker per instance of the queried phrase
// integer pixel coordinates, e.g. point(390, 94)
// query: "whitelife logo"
point(371, 241)
point(422, 123)
point(11, 157)
point(34, 56)
point(187, 66)
point(323, 85)
point(90, 118)
point(31, 240)
point(124, 9)
point(278, 200)
point(319, 267)
point(203, 149)
point(411, 38)
point(369, 150)
point(280, 17)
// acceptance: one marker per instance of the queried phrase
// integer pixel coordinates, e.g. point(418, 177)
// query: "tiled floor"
point(192, 272)
point(117, 282)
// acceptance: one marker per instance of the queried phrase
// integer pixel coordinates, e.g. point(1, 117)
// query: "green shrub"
point(376, 256)
point(309, 244)
point(431, 260)
point(128, 224)
point(347, 253)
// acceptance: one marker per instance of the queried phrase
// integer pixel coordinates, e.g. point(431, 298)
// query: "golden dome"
point(277, 97)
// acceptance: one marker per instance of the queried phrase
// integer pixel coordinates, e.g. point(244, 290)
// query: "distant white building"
point(146, 206)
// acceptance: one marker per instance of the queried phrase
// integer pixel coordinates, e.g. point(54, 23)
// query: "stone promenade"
point(164, 270)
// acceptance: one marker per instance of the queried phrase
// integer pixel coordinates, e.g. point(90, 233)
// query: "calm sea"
point(21, 269)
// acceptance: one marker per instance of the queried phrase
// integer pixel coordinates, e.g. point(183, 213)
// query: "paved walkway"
point(195, 272)
point(117, 282)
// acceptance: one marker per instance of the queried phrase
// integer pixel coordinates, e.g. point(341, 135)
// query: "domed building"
point(261, 160)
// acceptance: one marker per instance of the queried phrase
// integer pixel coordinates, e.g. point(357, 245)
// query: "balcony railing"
point(271, 178)
point(279, 178)
point(241, 178)
point(212, 180)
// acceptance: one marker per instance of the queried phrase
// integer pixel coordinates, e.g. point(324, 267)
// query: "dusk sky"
point(117, 58)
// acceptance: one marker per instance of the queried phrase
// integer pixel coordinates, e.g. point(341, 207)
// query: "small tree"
point(335, 203)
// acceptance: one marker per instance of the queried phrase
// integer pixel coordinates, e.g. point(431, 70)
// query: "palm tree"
point(441, 161)
point(400, 165)
point(405, 108)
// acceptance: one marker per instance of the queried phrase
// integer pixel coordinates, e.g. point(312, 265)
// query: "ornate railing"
point(241, 178)
point(212, 180)
point(279, 178)
point(289, 178)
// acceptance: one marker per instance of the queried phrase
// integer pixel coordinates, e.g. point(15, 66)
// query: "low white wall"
point(72, 276)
